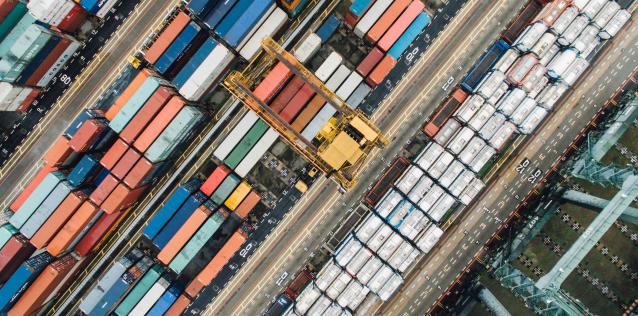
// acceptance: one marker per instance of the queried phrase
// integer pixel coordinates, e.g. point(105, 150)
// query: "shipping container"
point(270, 27)
point(37, 197)
point(13, 254)
point(445, 111)
point(523, 19)
point(126, 163)
point(179, 306)
point(94, 235)
point(238, 195)
point(358, 95)
point(146, 114)
point(400, 26)
point(113, 154)
point(21, 279)
point(139, 98)
point(126, 95)
point(168, 35)
point(306, 115)
point(370, 17)
point(197, 242)
point(381, 71)
point(12, 18)
point(121, 198)
point(189, 67)
point(58, 218)
point(185, 211)
point(258, 151)
point(172, 204)
point(615, 24)
point(370, 61)
point(492, 125)
point(386, 20)
point(225, 189)
point(295, 105)
point(60, 154)
point(272, 83)
point(235, 136)
point(159, 123)
point(177, 47)
point(207, 73)
point(240, 20)
point(410, 34)
point(88, 135)
point(144, 172)
point(6, 232)
point(485, 63)
point(218, 13)
point(185, 232)
point(86, 168)
point(152, 296)
point(103, 190)
point(166, 300)
point(180, 129)
point(58, 64)
point(139, 290)
point(328, 27)
point(286, 94)
point(201, 7)
point(396, 169)
point(307, 48)
point(72, 229)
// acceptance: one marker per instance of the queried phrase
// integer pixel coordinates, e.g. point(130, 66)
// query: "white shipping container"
point(361, 293)
point(329, 65)
point(534, 76)
point(420, 188)
point(530, 36)
point(593, 7)
point(390, 287)
point(589, 48)
point(410, 177)
point(550, 95)
point(543, 45)
point(563, 21)
point(533, 120)
point(490, 84)
point(306, 298)
point(429, 155)
point(441, 207)
point(326, 112)
point(379, 238)
point(510, 101)
point(272, 25)
point(308, 48)
point(8, 93)
point(492, 125)
point(371, 17)
point(436, 170)
point(369, 270)
point(379, 279)
point(615, 24)
point(469, 107)
point(572, 31)
point(347, 250)
point(499, 93)
point(368, 228)
point(411, 258)
point(575, 70)
point(338, 285)
point(461, 182)
point(327, 274)
point(605, 14)
point(401, 255)
point(453, 171)
point(502, 135)
point(538, 87)
point(254, 29)
point(486, 153)
point(403, 209)
point(472, 191)
point(520, 69)
point(207, 73)
point(449, 129)
point(389, 201)
point(149, 299)
point(333, 310)
point(359, 259)
point(106, 8)
point(320, 306)
point(586, 37)
point(471, 150)
point(359, 94)
point(347, 88)
point(257, 152)
point(429, 238)
point(549, 55)
point(430, 198)
point(559, 64)
point(523, 111)
point(413, 224)
point(390, 246)
point(462, 138)
point(580, 4)
point(235, 135)
point(350, 293)
point(481, 117)
point(506, 61)
point(59, 63)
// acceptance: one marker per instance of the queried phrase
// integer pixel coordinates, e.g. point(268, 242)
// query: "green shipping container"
point(172, 136)
point(23, 52)
point(196, 242)
point(36, 198)
point(225, 189)
point(246, 144)
point(12, 19)
point(134, 104)
point(6, 231)
point(136, 294)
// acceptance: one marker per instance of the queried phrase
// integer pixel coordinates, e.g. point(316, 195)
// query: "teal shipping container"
point(6, 231)
point(195, 244)
point(36, 198)
point(45, 209)
point(179, 128)
point(225, 189)
point(12, 19)
point(134, 104)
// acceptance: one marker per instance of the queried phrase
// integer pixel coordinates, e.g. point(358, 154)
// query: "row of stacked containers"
point(36, 41)
point(415, 197)
point(108, 158)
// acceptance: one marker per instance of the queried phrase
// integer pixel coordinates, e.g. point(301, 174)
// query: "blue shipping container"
point(328, 28)
point(415, 28)
point(21, 278)
point(218, 13)
point(201, 7)
point(246, 22)
point(184, 212)
point(38, 59)
point(100, 177)
point(233, 16)
point(166, 300)
point(489, 58)
point(93, 6)
point(79, 120)
point(358, 7)
point(86, 167)
point(197, 59)
point(177, 47)
point(169, 208)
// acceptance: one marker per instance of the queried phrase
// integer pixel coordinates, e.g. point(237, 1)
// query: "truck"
point(485, 63)
point(523, 18)
point(446, 109)
point(378, 190)
point(282, 304)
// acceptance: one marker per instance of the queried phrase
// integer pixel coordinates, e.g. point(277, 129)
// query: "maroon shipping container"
point(87, 135)
point(103, 190)
point(97, 232)
point(26, 104)
point(141, 174)
point(48, 62)
point(371, 60)
point(73, 20)
point(113, 155)
point(121, 198)
point(15, 251)
point(128, 160)
point(5, 8)
point(297, 103)
point(144, 116)
point(286, 94)
point(381, 71)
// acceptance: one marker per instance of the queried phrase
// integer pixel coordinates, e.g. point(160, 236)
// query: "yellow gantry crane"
point(344, 142)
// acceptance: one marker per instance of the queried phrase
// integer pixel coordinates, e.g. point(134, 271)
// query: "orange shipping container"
point(127, 94)
point(113, 155)
point(271, 84)
point(308, 113)
point(43, 286)
point(166, 37)
point(286, 94)
point(58, 155)
point(247, 204)
point(381, 71)
point(26, 192)
point(87, 135)
point(179, 306)
point(59, 217)
point(152, 131)
point(128, 160)
point(217, 263)
point(121, 198)
point(146, 114)
point(371, 60)
point(103, 190)
point(138, 176)
point(188, 229)
point(400, 25)
point(384, 22)
point(72, 228)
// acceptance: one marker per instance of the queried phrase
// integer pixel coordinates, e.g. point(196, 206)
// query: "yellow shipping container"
point(238, 195)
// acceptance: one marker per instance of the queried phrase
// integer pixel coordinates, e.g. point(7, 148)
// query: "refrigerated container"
point(492, 125)
point(605, 14)
point(575, 70)
point(533, 120)
point(506, 60)
point(520, 69)
point(305, 300)
point(502, 135)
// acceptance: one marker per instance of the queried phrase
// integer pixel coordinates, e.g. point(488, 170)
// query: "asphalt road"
point(442, 269)
point(64, 101)
point(301, 232)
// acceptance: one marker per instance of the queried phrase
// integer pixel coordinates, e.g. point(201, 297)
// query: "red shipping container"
point(24, 195)
point(58, 218)
point(60, 153)
point(48, 62)
point(166, 37)
point(386, 20)
point(97, 232)
point(113, 155)
point(286, 94)
point(400, 25)
point(214, 180)
point(247, 204)
point(165, 116)
point(146, 114)
point(369, 62)
point(140, 174)
point(381, 71)
point(351, 20)
point(13, 253)
point(271, 84)
point(103, 190)
point(73, 20)
point(5, 8)
point(125, 164)
point(297, 103)
point(26, 104)
point(121, 198)
point(73, 228)
point(179, 306)
point(87, 135)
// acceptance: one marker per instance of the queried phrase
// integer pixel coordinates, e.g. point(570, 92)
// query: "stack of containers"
point(65, 15)
point(99, 8)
